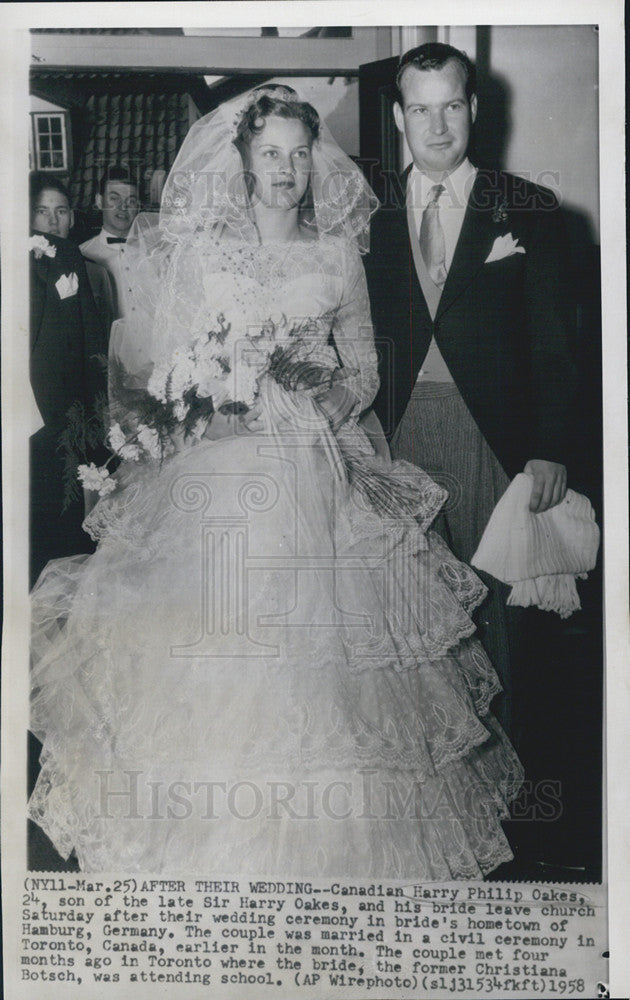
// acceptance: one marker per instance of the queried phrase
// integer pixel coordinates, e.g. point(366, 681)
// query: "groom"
point(468, 297)
point(67, 338)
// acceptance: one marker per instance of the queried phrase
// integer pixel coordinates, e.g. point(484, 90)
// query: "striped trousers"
point(438, 433)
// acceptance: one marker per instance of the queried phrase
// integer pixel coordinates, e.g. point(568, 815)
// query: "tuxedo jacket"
point(103, 292)
point(503, 326)
point(111, 256)
point(67, 334)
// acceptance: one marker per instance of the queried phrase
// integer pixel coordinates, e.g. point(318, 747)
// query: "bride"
point(268, 665)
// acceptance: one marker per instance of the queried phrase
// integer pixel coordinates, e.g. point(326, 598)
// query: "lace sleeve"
point(353, 332)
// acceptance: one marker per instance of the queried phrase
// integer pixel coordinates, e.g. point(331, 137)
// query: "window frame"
point(62, 116)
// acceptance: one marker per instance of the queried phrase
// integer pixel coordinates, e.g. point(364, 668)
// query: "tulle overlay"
point(257, 673)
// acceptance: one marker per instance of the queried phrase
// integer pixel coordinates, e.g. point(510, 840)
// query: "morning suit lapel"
point(41, 284)
point(477, 235)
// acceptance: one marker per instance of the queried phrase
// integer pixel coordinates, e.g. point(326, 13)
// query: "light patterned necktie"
point(432, 245)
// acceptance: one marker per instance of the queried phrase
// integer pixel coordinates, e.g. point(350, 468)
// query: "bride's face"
point(279, 158)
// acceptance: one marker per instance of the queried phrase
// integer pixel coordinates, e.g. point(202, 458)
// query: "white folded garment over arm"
point(540, 555)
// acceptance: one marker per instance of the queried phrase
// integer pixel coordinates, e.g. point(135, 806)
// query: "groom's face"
point(436, 116)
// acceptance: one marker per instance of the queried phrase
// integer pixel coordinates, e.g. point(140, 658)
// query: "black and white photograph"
point(307, 440)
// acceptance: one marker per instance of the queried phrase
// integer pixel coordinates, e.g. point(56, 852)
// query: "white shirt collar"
point(457, 184)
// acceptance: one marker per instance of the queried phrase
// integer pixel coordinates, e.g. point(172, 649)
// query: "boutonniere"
point(67, 285)
point(41, 247)
point(503, 246)
point(499, 213)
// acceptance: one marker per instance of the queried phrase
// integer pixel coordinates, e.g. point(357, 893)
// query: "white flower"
point(234, 343)
point(181, 376)
point(207, 360)
point(245, 384)
point(224, 364)
point(119, 444)
point(180, 410)
point(130, 452)
point(97, 480)
point(158, 381)
point(40, 246)
point(116, 437)
point(202, 343)
point(150, 440)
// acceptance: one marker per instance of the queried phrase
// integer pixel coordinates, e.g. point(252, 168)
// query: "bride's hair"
point(278, 100)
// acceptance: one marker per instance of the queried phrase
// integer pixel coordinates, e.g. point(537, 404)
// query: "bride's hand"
point(224, 425)
point(337, 404)
point(253, 421)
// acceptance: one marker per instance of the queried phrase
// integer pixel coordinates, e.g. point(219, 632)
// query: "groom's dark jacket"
point(503, 327)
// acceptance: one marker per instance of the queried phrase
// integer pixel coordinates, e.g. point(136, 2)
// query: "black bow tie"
point(116, 239)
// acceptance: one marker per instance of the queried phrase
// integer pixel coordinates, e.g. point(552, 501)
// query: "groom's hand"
point(550, 484)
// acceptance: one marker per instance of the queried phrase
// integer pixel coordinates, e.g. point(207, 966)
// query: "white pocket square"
point(67, 285)
point(503, 246)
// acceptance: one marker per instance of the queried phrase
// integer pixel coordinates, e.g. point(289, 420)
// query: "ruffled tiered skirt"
point(257, 674)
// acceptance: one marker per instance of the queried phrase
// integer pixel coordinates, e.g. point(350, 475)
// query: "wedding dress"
point(258, 672)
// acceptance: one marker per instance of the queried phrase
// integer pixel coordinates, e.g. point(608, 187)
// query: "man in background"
point(117, 199)
point(68, 339)
point(53, 214)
